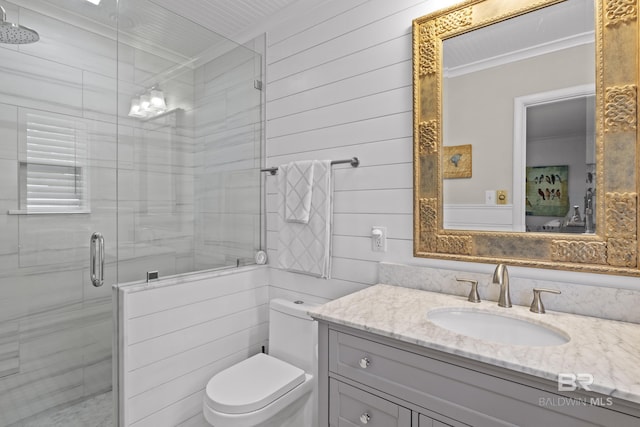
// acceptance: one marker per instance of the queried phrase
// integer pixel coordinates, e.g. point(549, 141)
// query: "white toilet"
point(274, 390)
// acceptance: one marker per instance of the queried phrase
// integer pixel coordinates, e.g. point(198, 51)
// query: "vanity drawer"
point(351, 407)
point(428, 422)
point(466, 395)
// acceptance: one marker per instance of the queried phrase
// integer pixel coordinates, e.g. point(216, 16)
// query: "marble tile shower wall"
point(228, 143)
point(55, 328)
point(156, 181)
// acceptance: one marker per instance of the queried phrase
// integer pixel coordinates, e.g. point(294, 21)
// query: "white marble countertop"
point(606, 349)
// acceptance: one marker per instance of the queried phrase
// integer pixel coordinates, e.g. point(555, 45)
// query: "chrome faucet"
point(501, 277)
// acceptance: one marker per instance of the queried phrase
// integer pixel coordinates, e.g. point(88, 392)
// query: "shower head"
point(13, 33)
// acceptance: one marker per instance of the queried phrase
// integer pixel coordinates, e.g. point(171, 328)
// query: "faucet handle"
point(473, 294)
point(536, 304)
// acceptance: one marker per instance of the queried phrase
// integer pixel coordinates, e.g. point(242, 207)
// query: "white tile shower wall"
point(339, 85)
point(177, 333)
point(156, 199)
point(228, 138)
point(155, 169)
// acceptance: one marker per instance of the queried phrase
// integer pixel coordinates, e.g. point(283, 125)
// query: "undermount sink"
point(495, 327)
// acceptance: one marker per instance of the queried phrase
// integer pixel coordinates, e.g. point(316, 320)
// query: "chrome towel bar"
point(353, 161)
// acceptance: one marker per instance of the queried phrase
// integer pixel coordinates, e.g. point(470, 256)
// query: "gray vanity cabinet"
point(350, 406)
point(429, 422)
point(369, 380)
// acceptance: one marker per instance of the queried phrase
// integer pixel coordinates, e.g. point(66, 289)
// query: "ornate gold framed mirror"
point(610, 243)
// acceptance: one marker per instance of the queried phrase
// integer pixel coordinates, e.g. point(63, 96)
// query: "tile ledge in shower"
point(25, 212)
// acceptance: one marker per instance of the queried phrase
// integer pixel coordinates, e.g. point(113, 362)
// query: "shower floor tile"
point(93, 412)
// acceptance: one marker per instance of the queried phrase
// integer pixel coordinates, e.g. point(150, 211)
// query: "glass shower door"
point(58, 160)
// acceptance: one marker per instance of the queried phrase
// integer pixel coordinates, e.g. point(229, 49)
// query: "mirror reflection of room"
point(560, 166)
point(485, 73)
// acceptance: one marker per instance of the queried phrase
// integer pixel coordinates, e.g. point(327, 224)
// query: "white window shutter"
point(55, 167)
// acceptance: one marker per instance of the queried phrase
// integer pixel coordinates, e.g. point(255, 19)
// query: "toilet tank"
point(293, 335)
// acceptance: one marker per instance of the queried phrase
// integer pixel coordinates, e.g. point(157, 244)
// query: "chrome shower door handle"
point(96, 259)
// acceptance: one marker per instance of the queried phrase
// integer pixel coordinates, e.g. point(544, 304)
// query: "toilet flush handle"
point(364, 418)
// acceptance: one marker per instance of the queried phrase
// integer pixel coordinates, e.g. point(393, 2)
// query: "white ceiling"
point(169, 24)
point(163, 23)
point(238, 20)
point(567, 118)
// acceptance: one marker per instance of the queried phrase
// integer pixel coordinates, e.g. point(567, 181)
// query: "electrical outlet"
point(378, 239)
point(490, 197)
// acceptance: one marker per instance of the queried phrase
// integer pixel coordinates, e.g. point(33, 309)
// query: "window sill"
point(25, 212)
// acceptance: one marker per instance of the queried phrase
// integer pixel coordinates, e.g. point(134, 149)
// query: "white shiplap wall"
point(340, 85)
point(176, 334)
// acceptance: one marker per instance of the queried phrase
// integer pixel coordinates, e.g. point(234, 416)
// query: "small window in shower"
point(53, 160)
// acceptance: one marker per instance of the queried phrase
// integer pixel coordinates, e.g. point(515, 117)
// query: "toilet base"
point(298, 414)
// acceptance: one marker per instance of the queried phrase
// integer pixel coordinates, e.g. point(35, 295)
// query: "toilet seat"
point(252, 384)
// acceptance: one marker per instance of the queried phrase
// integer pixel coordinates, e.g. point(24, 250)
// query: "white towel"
point(298, 178)
point(306, 248)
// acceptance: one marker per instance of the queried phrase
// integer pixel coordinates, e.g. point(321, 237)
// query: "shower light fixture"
point(96, 2)
point(135, 110)
point(151, 103)
point(145, 102)
point(157, 99)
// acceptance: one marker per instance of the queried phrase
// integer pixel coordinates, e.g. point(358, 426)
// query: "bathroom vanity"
point(384, 363)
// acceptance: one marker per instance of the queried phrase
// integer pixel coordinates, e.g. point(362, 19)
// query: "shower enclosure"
point(130, 142)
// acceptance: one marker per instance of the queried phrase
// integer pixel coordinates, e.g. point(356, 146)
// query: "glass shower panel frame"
point(188, 177)
point(228, 178)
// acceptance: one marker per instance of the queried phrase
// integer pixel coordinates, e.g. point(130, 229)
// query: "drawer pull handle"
point(364, 362)
point(364, 418)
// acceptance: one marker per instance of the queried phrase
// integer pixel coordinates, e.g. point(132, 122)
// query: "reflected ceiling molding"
point(521, 54)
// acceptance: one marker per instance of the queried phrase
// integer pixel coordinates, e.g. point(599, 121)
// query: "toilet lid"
point(252, 384)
